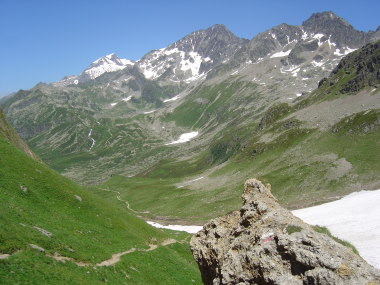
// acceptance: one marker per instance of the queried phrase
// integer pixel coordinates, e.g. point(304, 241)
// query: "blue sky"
point(44, 40)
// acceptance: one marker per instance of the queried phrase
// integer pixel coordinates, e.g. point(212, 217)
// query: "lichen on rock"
point(264, 243)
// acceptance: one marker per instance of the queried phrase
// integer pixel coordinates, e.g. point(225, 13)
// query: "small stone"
point(40, 249)
point(23, 188)
point(79, 198)
point(43, 231)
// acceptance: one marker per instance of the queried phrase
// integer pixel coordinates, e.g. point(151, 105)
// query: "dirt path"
point(115, 258)
point(125, 201)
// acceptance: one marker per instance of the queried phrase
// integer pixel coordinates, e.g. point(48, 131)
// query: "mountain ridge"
point(197, 61)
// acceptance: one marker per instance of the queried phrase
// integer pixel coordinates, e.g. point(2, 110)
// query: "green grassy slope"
point(9, 135)
point(34, 198)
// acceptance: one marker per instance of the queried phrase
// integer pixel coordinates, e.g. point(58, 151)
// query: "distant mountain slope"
point(108, 63)
point(356, 71)
point(9, 135)
point(53, 231)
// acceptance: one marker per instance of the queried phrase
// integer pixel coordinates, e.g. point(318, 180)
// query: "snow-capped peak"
point(108, 63)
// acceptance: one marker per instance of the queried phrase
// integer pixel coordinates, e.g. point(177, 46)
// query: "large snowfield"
point(354, 218)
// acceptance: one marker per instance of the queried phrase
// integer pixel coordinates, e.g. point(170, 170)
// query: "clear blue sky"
point(44, 40)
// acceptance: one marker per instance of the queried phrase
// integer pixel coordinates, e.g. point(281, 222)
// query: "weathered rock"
point(79, 198)
point(264, 243)
point(43, 231)
point(40, 249)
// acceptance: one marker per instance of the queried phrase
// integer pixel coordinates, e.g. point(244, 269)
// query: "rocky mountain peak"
point(108, 63)
point(264, 243)
point(210, 42)
point(191, 57)
point(110, 60)
point(337, 29)
point(322, 18)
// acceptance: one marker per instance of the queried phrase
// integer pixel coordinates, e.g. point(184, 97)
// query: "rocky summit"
point(264, 243)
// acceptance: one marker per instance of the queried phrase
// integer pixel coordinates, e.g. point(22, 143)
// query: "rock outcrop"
point(264, 243)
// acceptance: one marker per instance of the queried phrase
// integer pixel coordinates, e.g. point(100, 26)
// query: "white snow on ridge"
point(343, 51)
point(280, 54)
point(355, 218)
point(154, 65)
point(189, 229)
point(108, 63)
point(184, 138)
point(316, 63)
point(113, 104)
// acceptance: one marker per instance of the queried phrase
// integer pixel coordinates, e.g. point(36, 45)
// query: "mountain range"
point(172, 136)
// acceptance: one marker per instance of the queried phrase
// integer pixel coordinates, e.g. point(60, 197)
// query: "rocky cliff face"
point(264, 243)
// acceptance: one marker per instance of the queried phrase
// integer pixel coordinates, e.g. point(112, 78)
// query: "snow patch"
point(113, 104)
point(127, 99)
point(196, 179)
point(92, 140)
point(355, 218)
point(280, 54)
point(295, 72)
point(349, 50)
point(343, 51)
point(184, 138)
point(172, 99)
point(315, 63)
point(149, 112)
point(188, 229)
point(304, 35)
point(331, 44)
